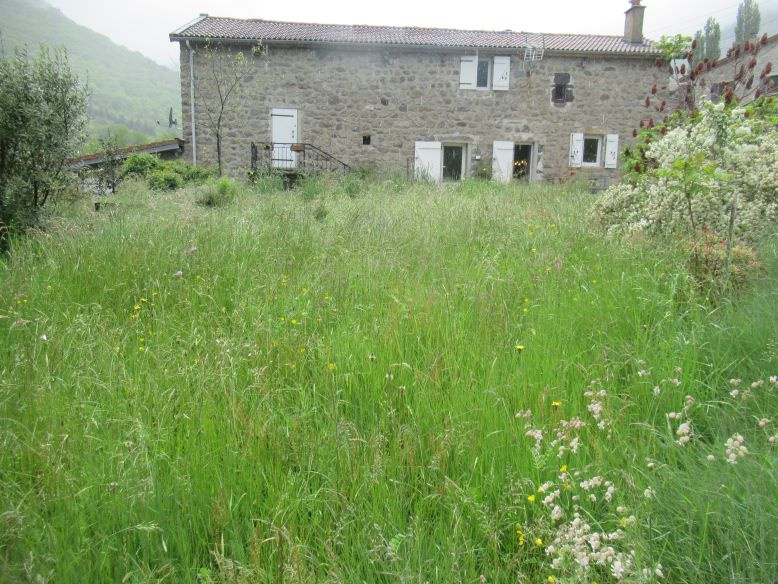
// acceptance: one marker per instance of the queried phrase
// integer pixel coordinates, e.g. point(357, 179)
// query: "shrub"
point(188, 173)
point(687, 175)
point(165, 180)
point(217, 193)
point(311, 187)
point(351, 185)
point(707, 262)
point(266, 182)
point(140, 165)
point(42, 119)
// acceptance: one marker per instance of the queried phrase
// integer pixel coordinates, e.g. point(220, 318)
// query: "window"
point(587, 150)
point(482, 76)
point(366, 140)
point(592, 146)
point(478, 73)
point(562, 90)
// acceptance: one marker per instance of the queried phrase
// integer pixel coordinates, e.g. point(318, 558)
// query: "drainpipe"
point(192, 104)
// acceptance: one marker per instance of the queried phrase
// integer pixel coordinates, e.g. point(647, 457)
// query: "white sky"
point(144, 25)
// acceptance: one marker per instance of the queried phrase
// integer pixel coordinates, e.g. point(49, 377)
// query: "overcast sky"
point(144, 25)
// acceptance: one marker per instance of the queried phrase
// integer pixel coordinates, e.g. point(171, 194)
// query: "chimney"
point(633, 23)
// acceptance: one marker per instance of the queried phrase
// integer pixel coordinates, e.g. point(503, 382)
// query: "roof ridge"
point(404, 27)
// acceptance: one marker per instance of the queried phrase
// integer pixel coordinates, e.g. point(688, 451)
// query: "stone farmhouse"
point(438, 102)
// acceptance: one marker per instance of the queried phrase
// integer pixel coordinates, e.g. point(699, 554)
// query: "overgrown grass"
point(267, 392)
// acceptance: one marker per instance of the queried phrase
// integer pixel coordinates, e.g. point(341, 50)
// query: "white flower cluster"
point(725, 152)
point(735, 448)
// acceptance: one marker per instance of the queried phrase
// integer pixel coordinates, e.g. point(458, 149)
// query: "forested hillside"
point(126, 88)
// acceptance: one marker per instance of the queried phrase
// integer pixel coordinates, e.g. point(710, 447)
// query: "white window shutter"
point(468, 68)
point(429, 160)
point(576, 149)
point(502, 161)
point(612, 151)
point(501, 77)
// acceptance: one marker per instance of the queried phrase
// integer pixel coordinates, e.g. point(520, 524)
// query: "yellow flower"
point(293, 321)
point(623, 522)
point(551, 579)
point(525, 310)
point(540, 490)
point(534, 250)
point(331, 366)
point(526, 300)
point(556, 404)
point(531, 498)
point(538, 542)
point(141, 349)
point(519, 348)
point(563, 468)
point(137, 307)
point(520, 535)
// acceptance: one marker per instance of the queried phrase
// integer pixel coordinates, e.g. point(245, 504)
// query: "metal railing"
point(298, 158)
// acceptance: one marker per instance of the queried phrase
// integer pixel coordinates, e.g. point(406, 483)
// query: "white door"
point(429, 160)
point(284, 128)
point(502, 161)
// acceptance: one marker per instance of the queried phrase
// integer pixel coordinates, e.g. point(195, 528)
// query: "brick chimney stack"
point(633, 22)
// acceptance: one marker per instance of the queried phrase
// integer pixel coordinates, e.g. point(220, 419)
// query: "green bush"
point(217, 193)
point(311, 188)
point(351, 185)
point(165, 180)
point(139, 165)
point(266, 182)
point(189, 174)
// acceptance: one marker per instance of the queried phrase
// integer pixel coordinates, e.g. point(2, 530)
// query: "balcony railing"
point(297, 158)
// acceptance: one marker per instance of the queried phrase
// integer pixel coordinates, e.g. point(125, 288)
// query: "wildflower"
point(710, 458)
point(757, 384)
point(141, 349)
point(762, 423)
point(551, 579)
point(773, 439)
point(556, 513)
point(555, 404)
point(774, 379)
point(389, 376)
point(563, 468)
point(525, 310)
point(331, 366)
point(735, 382)
point(371, 357)
point(657, 390)
point(293, 321)
point(644, 373)
point(43, 338)
point(735, 448)
point(520, 535)
point(538, 542)
point(649, 493)
point(531, 498)
point(519, 348)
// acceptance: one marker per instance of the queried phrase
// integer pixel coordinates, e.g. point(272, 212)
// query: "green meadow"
point(379, 381)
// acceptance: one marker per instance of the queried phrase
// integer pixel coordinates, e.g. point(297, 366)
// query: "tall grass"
point(265, 392)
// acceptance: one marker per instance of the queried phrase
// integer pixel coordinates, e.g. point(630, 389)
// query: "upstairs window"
point(482, 76)
point(562, 90)
point(479, 73)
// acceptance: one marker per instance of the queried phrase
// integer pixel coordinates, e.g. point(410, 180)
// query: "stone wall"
point(398, 96)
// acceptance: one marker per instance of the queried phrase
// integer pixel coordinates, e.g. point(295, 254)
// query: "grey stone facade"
point(400, 95)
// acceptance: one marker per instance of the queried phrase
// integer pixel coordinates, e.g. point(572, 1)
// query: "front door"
point(452, 162)
point(284, 128)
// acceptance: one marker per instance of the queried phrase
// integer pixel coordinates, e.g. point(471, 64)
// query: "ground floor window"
point(592, 147)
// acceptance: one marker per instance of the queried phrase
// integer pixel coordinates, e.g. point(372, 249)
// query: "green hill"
point(126, 88)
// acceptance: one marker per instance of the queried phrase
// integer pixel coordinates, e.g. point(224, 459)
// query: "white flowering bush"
point(684, 176)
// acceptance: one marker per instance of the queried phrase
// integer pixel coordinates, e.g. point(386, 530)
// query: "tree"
point(223, 71)
point(42, 122)
point(748, 20)
point(712, 39)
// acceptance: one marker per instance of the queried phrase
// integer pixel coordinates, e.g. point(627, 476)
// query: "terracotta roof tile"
point(212, 27)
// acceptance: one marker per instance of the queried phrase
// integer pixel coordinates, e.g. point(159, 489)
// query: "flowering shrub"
point(686, 174)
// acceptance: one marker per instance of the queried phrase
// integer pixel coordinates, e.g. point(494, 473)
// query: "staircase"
point(294, 160)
